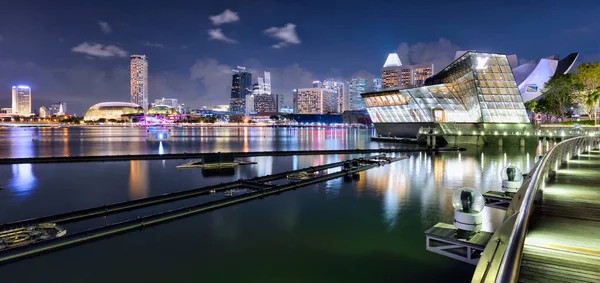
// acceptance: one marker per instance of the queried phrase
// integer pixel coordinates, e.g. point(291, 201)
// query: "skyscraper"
point(267, 86)
point(355, 87)
point(278, 102)
point(139, 81)
point(377, 84)
point(415, 75)
point(341, 93)
point(314, 101)
point(21, 100)
point(241, 85)
point(390, 73)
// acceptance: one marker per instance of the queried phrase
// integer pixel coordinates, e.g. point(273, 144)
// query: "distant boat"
point(30, 234)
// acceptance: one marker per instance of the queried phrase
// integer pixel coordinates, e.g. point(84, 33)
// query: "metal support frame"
point(454, 249)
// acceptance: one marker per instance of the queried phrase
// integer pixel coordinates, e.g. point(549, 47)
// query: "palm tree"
point(592, 101)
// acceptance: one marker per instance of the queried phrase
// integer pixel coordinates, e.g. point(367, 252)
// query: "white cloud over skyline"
point(286, 35)
point(99, 50)
point(217, 34)
point(226, 17)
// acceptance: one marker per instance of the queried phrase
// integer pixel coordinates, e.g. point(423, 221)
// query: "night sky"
point(78, 51)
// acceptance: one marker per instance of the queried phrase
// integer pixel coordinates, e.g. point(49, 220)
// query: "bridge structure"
point(551, 230)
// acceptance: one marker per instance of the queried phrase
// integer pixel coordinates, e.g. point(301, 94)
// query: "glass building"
point(241, 85)
point(356, 86)
point(475, 88)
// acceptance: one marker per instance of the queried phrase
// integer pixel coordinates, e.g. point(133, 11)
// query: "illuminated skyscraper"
point(241, 85)
point(341, 90)
point(21, 100)
point(139, 81)
point(415, 75)
point(390, 73)
point(355, 87)
point(314, 101)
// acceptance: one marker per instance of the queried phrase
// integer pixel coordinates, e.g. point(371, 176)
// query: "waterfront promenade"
point(552, 226)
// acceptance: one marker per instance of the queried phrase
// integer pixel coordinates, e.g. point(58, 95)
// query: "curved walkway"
point(563, 240)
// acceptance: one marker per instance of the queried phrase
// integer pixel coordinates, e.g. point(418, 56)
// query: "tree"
point(532, 106)
point(274, 117)
point(236, 119)
point(102, 120)
point(558, 94)
point(592, 100)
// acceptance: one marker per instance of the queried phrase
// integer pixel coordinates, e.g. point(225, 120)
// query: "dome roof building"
point(164, 110)
point(112, 110)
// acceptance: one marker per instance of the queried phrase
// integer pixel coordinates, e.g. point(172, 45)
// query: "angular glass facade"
point(476, 88)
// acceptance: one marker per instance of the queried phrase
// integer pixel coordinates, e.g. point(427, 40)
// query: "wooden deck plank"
point(563, 240)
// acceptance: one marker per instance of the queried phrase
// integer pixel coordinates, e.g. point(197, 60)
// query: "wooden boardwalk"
point(563, 239)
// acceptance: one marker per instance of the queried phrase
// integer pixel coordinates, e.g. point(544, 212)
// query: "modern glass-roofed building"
point(475, 92)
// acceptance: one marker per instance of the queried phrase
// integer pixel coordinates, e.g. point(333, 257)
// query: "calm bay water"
point(367, 230)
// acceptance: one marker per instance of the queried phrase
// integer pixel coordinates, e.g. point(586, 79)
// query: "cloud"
point(105, 27)
point(440, 53)
point(99, 50)
point(153, 44)
point(217, 34)
point(214, 77)
point(286, 34)
point(226, 17)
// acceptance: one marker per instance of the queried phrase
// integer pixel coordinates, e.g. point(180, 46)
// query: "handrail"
point(508, 270)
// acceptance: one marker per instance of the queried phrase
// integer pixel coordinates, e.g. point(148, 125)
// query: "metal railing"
point(558, 133)
point(501, 259)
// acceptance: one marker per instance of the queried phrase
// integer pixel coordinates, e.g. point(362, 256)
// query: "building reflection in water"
point(23, 182)
point(138, 179)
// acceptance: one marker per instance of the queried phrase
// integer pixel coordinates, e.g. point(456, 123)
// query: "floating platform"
point(219, 165)
point(302, 176)
point(498, 199)
point(441, 239)
point(30, 234)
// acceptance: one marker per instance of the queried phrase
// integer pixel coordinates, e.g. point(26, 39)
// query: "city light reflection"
point(138, 179)
point(23, 181)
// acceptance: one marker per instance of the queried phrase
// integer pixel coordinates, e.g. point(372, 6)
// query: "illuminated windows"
point(475, 88)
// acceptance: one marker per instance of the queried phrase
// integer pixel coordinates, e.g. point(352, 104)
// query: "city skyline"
point(190, 57)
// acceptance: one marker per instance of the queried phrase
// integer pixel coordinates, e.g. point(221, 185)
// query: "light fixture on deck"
point(512, 178)
point(467, 203)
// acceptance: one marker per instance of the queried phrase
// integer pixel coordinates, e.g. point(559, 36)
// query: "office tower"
point(278, 102)
point(415, 75)
point(377, 84)
point(294, 101)
point(139, 81)
point(264, 103)
point(241, 85)
point(44, 112)
point(315, 101)
point(390, 73)
point(317, 84)
point(267, 83)
point(355, 87)
point(341, 93)
point(249, 104)
point(21, 100)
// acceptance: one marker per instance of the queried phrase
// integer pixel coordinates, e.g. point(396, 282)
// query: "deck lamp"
point(512, 178)
point(467, 203)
